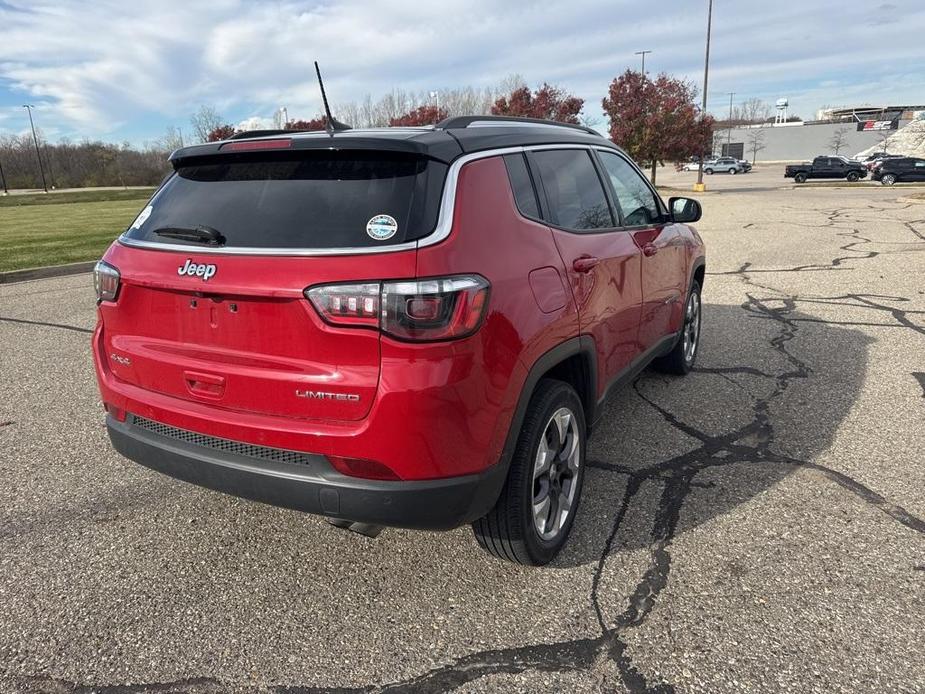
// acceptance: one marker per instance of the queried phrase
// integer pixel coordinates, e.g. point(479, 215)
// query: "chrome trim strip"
point(442, 229)
point(249, 250)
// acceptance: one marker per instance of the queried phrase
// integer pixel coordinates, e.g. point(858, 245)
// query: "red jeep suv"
point(413, 327)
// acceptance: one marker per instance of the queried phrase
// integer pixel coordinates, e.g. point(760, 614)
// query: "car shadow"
point(769, 392)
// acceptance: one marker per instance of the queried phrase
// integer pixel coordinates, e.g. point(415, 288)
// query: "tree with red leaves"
point(422, 115)
point(313, 124)
point(547, 102)
point(222, 132)
point(657, 120)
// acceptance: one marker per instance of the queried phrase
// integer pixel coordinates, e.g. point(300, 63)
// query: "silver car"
point(723, 165)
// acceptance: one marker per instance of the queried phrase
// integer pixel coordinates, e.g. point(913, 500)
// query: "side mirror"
point(684, 210)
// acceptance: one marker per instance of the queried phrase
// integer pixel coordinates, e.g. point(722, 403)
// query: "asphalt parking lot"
point(757, 526)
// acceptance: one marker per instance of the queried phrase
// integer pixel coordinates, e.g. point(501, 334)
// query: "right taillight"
point(441, 308)
point(106, 280)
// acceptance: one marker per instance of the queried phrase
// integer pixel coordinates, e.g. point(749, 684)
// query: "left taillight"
point(440, 308)
point(106, 279)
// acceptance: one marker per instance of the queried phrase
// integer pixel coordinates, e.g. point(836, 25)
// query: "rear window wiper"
point(199, 234)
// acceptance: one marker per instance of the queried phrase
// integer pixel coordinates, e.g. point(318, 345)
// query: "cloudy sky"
point(126, 70)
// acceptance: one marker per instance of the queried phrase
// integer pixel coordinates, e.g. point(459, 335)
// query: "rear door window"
point(299, 199)
point(574, 192)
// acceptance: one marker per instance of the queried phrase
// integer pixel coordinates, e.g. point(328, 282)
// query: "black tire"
point(509, 530)
point(888, 179)
point(733, 171)
point(853, 176)
point(681, 359)
point(708, 171)
point(800, 178)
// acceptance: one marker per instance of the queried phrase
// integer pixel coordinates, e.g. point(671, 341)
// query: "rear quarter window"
point(300, 199)
point(522, 185)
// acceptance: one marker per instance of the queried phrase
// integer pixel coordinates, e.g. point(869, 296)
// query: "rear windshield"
point(301, 199)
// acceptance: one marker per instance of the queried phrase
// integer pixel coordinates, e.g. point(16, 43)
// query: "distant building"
point(853, 128)
point(870, 112)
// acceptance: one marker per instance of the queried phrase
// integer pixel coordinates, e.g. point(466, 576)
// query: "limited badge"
point(142, 217)
point(381, 227)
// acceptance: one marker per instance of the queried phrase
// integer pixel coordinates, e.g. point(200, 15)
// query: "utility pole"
point(3, 180)
point(35, 139)
point(729, 139)
point(643, 54)
point(703, 109)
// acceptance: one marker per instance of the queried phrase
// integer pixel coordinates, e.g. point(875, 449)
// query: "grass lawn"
point(38, 230)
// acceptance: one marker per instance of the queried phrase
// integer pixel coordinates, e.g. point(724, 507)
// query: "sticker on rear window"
point(381, 227)
point(142, 217)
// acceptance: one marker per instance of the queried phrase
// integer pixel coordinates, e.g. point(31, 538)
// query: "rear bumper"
point(311, 485)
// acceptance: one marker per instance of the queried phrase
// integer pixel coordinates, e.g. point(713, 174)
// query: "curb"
point(40, 273)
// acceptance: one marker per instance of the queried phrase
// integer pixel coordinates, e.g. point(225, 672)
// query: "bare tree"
point(754, 138)
point(839, 139)
point(171, 139)
point(751, 111)
point(204, 121)
point(882, 137)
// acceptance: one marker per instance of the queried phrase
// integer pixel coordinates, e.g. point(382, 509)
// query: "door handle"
point(649, 250)
point(584, 263)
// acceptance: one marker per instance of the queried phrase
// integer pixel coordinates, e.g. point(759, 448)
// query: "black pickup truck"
point(826, 167)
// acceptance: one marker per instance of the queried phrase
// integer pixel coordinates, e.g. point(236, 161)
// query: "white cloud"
point(115, 67)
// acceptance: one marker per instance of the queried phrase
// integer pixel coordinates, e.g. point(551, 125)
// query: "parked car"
point(395, 327)
point(826, 167)
point(746, 165)
point(877, 162)
point(899, 170)
point(724, 164)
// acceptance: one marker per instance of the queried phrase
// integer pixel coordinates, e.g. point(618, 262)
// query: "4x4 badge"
point(197, 270)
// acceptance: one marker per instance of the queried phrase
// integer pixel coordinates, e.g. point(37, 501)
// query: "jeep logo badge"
point(192, 269)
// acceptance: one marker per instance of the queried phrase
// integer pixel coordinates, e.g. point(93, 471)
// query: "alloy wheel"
point(691, 330)
point(555, 473)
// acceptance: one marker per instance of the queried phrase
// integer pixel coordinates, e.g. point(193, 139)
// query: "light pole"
point(706, 76)
point(729, 138)
point(3, 180)
point(643, 54)
point(38, 154)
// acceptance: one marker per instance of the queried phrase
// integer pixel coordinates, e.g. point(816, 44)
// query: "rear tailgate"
point(228, 324)
point(247, 339)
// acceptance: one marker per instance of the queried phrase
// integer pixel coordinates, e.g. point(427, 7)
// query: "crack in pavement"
point(62, 326)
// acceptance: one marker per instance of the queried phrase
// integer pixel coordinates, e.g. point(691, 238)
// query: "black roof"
point(445, 142)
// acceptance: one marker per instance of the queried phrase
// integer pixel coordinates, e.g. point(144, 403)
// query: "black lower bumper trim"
point(315, 487)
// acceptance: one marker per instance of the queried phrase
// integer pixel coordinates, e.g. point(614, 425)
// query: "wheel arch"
point(574, 362)
point(698, 271)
